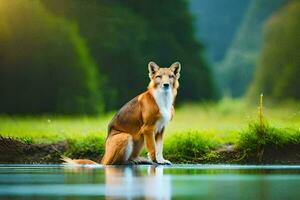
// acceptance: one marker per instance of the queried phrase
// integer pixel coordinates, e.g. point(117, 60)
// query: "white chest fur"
point(164, 101)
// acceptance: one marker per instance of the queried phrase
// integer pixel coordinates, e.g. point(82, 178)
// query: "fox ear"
point(153, 68)
point(175, 67)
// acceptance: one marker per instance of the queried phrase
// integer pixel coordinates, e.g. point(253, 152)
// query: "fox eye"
point(158, 76)
point(171, 76)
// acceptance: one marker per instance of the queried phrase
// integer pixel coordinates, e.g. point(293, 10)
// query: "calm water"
point(149, 182)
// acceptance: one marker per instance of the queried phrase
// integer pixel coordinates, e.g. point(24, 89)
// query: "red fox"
point(142, 120)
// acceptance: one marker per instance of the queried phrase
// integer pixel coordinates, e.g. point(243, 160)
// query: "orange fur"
point(68, 160)
point(142, 120)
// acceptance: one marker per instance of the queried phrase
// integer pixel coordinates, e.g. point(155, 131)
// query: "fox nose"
point(166, 85)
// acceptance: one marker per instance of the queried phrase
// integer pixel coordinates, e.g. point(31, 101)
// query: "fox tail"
point(70, 161)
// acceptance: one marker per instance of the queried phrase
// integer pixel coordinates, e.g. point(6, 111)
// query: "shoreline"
point(14, 151)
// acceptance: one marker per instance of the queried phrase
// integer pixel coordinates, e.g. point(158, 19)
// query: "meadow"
point(198, 132)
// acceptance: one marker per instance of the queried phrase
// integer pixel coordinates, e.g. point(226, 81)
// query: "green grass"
point(258, 137)
point(196, 129)
point(190, 145)
point(48, 129)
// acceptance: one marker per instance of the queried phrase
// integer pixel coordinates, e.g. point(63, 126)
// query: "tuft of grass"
point(189, 146)
point(91, 145)
point(256, 139)
point(211, 156)
point(261, 136)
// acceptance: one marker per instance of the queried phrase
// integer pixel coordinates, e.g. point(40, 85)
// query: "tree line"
point(87, 57)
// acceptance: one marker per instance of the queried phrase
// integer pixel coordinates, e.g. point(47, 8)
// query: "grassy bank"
point(227, 131)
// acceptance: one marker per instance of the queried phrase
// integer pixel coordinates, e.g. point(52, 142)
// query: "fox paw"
point(163, 162)
point(160, 160)
point(140, 161)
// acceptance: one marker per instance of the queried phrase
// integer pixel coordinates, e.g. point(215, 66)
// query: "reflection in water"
point(205, 182)
point(131, 182)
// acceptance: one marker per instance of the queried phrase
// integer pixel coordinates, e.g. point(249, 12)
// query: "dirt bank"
point(15, 151)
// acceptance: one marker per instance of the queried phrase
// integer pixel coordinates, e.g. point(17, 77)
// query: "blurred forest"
point(90, 57)
point(217, 22)
point(278, 68)
point(240, 60)
point(76, 56)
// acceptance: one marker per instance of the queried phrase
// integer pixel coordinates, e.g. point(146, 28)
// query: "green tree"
point(278, 70)
point(115, 36)
point(45, 65)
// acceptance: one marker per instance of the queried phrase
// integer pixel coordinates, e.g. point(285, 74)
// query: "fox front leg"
point(159, 149)
point(150, 145)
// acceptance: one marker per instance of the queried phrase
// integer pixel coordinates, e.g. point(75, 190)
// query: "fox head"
point(164, 79)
